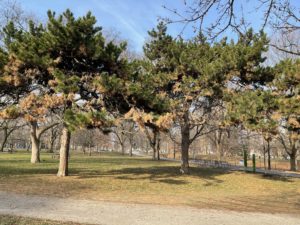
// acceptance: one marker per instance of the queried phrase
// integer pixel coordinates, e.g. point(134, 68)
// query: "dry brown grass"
point(112, 177)
point(18, 220)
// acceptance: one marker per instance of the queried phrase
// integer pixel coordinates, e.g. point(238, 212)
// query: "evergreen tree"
point(82, 62)
point(248, 102)
point(287, 89)
point(66, 64)
point(27, 66)
point(151, 105)
point(249, 60)
point(255, 110)
point(196, 73)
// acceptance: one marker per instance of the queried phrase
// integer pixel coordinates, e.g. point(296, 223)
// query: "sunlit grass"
point(113, 177)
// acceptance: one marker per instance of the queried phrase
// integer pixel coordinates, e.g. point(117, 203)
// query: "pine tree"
point(249, 104)
point(195, 73)
point(287, 88)
point(255, 110)
point(82, 61)
point(66, 65)
point(151, 106)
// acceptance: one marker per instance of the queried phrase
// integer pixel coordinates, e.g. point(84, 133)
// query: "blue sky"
point(131, 18)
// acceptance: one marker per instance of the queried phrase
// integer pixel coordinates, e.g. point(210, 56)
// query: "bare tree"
point(8, 126)
point(125, 132)
point(280, 15)
point(12, 11)
point(36, 132)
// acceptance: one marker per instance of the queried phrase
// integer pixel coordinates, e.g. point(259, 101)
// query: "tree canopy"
point(67, 68)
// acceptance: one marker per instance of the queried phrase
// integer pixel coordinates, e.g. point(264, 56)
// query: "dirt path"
point(107, 213)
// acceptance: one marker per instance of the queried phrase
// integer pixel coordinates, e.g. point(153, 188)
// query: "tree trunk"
point(90, 150)
point(51, 150)
point(35, 143)
point(174, 151)
point(123, 148)
point(158, 145)
point(64, 153)
point(185, 144)
point(52, 140)
point(218, 145)
point(265, 164)
point(5, 137)
point(218, 142)
point(154, 144)
point(293, 161)
point(292, 152)
point(131, 146)
point(269, 155)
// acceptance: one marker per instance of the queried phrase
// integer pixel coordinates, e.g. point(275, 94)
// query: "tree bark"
point(174, 150)
point(35, 136)
point(123, 148)
point(218, 143)
point(265, 158)
point(158, 145)
point(185, 144)
point(35, 143)
point(131, 146)
point(153, 143)
point(291, 150)
point(269, 155)
point(51, 150)
point(64, 153)
point(5, 137)
point(153, 146)
point(219, 151)
point(293, 161)
point(52, 140)
point(7, 131)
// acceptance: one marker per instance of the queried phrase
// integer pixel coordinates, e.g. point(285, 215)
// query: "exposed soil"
point(108, 213)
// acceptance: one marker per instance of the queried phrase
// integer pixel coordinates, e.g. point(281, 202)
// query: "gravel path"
point(108, 213)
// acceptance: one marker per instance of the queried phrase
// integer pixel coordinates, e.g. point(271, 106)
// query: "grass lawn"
point(113, 177)
point(17, 220)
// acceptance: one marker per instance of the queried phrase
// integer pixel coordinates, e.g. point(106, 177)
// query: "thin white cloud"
point(126, 21)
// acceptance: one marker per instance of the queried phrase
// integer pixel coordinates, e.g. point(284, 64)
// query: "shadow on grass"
point(24, 167)
point(276, 178)
point(5, 171)
point(127, 168)
point(162, 174)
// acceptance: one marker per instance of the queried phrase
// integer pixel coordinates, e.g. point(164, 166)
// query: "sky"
point(131, 19)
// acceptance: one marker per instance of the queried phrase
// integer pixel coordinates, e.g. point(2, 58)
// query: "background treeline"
point(65, 84)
